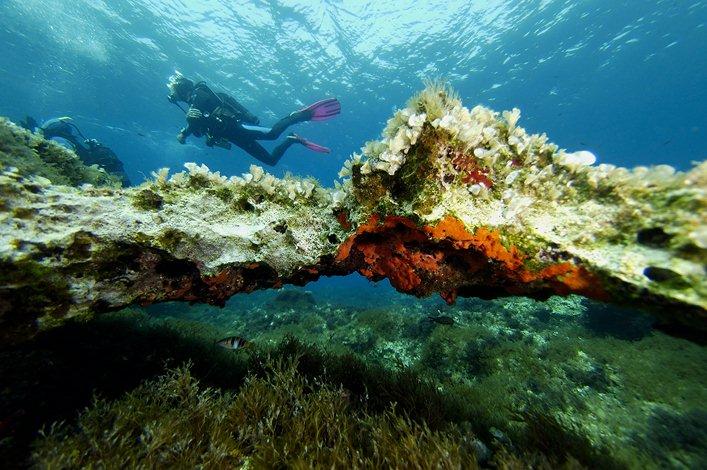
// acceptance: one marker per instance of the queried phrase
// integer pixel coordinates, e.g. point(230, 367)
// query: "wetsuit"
point(63, 128)
point(98, 154)
point(218, 116)
point(90, 152)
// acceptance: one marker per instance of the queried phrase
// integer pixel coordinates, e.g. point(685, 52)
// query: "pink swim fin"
point(310, 145)
point(322, 110)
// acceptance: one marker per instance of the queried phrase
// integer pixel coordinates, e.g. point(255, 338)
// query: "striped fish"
point(232, 342)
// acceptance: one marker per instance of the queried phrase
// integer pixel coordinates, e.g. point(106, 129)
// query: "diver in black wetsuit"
point(223, 120)
point(98, 154)
point(64, 128)
point(90, 151)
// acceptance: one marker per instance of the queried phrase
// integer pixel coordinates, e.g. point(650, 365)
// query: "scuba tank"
point(226, 112)
point(229, 106)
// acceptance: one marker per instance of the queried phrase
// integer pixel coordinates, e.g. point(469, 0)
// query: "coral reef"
point(451, 200)
point(194, 236)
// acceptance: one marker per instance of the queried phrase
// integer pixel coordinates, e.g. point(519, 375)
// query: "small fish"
point(233, 342)
point(441, 319)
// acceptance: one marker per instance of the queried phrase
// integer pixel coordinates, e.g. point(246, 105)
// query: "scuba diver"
point(63, 128)
point(223, 120)
point(98, 154)
point(90, 151)
point(29, 123)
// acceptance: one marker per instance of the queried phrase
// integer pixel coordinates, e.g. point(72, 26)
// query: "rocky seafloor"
point(599, 372)
point(513, 383)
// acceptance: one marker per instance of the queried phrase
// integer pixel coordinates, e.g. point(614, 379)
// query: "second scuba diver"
point(90, 151)
point(223, 120)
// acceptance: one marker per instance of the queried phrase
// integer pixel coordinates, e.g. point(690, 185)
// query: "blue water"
point(626, 79)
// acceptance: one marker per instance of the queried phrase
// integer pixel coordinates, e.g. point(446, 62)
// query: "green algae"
point(559, 381)
point(224, 193)
point(278, 405)
point(147, 200)
point(279, 420)
point(80, 247)
point(370, 192)
point(22, 213)
point(597, 373)
point(170, 239)
point(39, 294)
point(419, 174)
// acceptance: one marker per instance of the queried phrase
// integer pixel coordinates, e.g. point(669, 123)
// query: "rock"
point(454, 201)
point(293, 298)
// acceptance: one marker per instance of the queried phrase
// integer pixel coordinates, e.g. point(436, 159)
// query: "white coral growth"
point(349, 164)
point(255, 173)
point(576, 160)
point(160, 176)
point(511, 118)
point(402, 131)
point(197, 171)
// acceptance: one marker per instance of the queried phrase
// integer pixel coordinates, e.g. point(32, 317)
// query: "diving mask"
point(179, 87)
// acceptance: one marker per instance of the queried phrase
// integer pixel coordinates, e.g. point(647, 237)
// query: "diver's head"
point(180, 87)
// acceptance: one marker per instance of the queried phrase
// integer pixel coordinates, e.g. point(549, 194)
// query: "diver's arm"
point(195, 121)
point(183, 134)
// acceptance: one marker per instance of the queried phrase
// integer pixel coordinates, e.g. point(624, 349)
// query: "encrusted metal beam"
point(450, 200)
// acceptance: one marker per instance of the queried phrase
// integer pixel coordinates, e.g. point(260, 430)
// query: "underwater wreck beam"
point(523, 217)
point(454, 201)
point(69, 252)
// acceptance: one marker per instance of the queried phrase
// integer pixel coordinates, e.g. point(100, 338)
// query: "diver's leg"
point(319, 111)
point(281, 125)
point(256, 150)
point(247, 132)
point(267, 133)
point(281, 148)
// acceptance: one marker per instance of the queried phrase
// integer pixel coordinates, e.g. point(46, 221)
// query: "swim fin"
point(321, 110)
point(309, 144)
